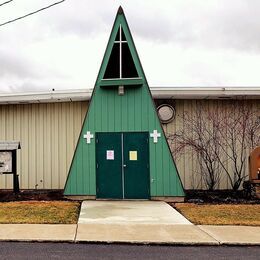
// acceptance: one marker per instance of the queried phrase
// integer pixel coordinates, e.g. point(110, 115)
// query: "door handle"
point(124, 165)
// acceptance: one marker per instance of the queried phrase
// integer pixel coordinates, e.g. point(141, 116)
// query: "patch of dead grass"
point(39, 212)
point(223, 214)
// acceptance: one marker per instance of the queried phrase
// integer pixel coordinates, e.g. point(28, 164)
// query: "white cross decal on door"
point(155, 136)
point(88, 137)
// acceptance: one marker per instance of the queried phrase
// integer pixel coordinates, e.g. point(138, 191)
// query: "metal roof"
point(157, 92)
point(9, 145)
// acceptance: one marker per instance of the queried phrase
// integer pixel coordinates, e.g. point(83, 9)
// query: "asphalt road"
point(19, 250)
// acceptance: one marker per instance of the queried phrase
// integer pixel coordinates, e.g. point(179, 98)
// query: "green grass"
point(223, 214)
point(39, 212)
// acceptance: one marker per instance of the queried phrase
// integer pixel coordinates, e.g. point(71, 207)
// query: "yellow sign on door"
point(132, 155)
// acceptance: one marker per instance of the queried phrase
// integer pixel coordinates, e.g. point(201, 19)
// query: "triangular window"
point(123, 38)
point(121, 64)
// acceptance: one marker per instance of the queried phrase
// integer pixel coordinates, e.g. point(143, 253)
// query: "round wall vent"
point(166, 113)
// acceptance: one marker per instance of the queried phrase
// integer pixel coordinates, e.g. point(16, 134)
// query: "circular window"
point(166, 113)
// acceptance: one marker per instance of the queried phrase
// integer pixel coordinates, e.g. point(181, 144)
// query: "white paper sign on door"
point(110, 154)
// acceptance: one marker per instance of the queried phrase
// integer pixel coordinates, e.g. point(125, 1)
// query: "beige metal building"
point(48, 125)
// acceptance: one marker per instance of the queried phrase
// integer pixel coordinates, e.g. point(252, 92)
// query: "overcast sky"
point(180, 42)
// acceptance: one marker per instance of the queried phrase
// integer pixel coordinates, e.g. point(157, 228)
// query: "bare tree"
point(200, 133)
point(221, 140)
point(239, 133)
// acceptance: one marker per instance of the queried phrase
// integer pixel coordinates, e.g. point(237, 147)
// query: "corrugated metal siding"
point(187, 163)
point(48, 135)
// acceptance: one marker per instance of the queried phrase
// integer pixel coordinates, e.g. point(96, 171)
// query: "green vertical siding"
point(134, 111)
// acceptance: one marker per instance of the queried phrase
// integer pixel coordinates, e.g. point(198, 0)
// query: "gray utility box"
point(8, 163)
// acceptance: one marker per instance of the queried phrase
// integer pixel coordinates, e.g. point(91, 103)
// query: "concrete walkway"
point(141, 222)
point(130, 212)
point(152, 222)
point(136, 222)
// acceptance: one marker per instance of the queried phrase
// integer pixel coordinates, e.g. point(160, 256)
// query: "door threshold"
point(123, 199)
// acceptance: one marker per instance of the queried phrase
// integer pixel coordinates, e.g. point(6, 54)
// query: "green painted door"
point(122, 161)
point(136, 165)
point(109, 165)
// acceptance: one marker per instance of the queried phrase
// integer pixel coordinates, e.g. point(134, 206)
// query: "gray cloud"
point(220, 24)
point(11, 64)
point(189, 26)
point(228, 24)
point(238, 25)
point(15, 63)
point(225, 24)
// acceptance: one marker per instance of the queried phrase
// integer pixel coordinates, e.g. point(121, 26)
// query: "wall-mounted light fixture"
point(121, 90)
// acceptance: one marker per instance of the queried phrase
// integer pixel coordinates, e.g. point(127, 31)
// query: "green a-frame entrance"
point(120, 112)
point(122, 161)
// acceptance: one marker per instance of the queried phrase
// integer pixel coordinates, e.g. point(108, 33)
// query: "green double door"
point(122, 165)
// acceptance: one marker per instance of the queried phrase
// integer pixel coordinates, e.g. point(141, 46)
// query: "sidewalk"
point(142, 222)
point(140, 234)
point(37, 232)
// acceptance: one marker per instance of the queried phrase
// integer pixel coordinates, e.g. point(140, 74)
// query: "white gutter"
point(45, 97)
point(157, 92)
point(207, 92)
